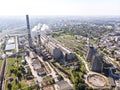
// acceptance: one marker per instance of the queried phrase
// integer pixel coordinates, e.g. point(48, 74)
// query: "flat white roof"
point(10, 47)
point(11, 40)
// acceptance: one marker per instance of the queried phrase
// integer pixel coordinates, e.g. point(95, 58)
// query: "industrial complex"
point(43, 61)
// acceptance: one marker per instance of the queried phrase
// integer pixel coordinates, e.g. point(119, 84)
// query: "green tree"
point(19, 85)
point(76, 80)
point(19, 75)
point(9, 86)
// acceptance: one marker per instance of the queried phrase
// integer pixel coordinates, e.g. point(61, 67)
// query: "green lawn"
point(11, 62)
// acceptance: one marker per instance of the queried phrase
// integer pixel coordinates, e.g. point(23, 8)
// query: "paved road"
point(85, 63)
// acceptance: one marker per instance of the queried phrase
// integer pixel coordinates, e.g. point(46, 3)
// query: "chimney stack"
point(29, 33)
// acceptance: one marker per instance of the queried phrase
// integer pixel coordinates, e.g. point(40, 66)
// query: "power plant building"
point(58, 51)
point(91, 52)
point(95, 59)
point(96, 63)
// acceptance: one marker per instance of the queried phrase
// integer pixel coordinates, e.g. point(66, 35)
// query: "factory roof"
point(53, 44)
point(65, 49)
point(10, 47)
point(11, 40)
point(37, 66)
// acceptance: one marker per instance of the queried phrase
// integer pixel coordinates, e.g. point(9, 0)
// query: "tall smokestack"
point(39, 44)
point(29, 33)
point(39, 40)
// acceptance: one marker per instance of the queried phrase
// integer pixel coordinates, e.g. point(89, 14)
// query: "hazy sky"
point(60, 7)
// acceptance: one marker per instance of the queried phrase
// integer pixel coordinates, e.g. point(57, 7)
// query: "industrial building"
point(91, 52)
point(112, 73)
point(10, 46)
point(38, 66)
point(58, 51)
point(95, 60)
point(96, 63)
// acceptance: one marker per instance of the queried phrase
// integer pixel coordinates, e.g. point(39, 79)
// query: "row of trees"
point(78, 77)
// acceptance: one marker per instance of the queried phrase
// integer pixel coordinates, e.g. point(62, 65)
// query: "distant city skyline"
point(60, 7)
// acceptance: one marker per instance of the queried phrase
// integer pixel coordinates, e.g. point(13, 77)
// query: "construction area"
point(96, 81)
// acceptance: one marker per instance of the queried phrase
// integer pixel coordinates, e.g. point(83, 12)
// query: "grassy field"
point(0, 64)
point(70, 41)
point(11, 64)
